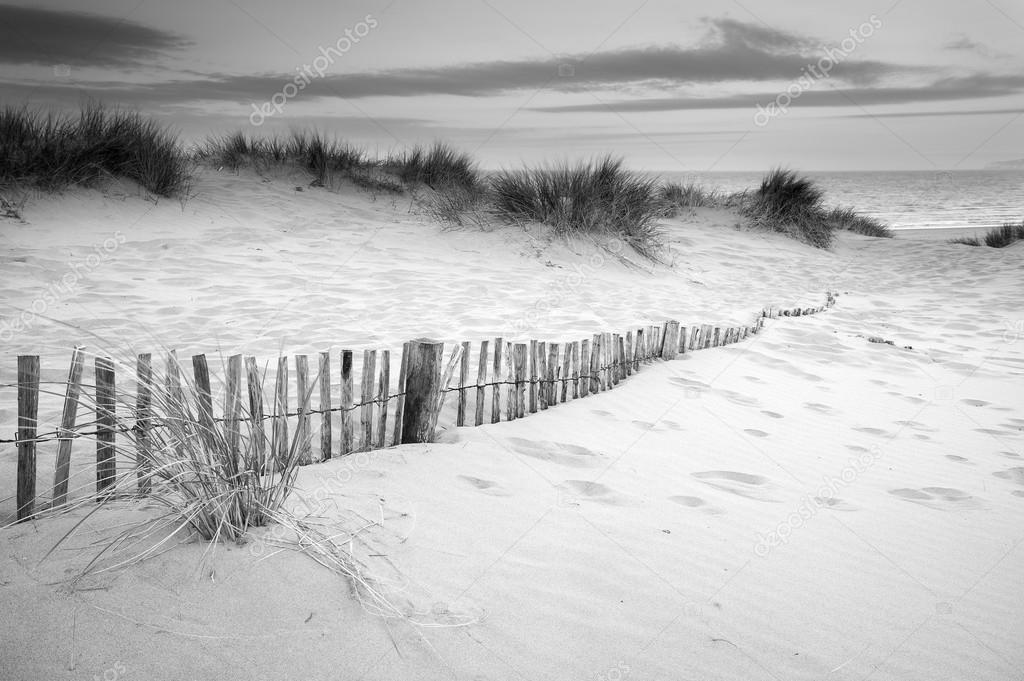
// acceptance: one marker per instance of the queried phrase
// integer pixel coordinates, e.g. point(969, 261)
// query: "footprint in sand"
point(696, 502)
point(562, 453)
point(485, 486)
point(575, 491)
point(818, 407)
point(1012, 455)
point(975, 403)
point(754, 432)
point(871, 431)
point(772, 414)
point(940, 498)
point(742, 484)
point(1014, 475)
point(833, 504)
point(958, 459)
point(672, 425)
point(643, 425)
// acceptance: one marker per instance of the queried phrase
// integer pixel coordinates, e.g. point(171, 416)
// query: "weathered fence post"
point(347, 435)
point(67, 424)
point(143, 421)
point(481, 381)
point(257, 435)
point(565, 376)
point(106, 465)
point(204, 398)
point(533, 377)
point(520, 359)
point(584, 375)
point(303, 393)
point(496, 390)
point(460, 415)
point(403, 372)
point(383, 397)
point(575, 375)
point(366, 411)
point(326, 416)
point(280, 443)
point(422, 389)
point(595, 363)
point(670, 347)
point(233, 409)
point(28, 414)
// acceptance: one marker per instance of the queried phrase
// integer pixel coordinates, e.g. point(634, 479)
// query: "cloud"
point(32, 35)
point(943, 90)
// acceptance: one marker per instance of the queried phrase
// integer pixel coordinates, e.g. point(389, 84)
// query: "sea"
point(941, 203)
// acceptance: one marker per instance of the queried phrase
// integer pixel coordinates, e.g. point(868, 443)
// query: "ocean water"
point(958, 200)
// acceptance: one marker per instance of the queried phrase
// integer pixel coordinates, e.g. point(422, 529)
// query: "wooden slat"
point(533, 377)
point(279, 445)
point(383, 395)
point(204, 398)
point(683, 337)
point(347, 427)
point(67, 424)
point(608, 350)
point(522, 378)
point(575, 373)
point(512, 394)
point(143, 421)
point(460, 414)
point(496, 391)
point(540, 361)
point(622, 359)
point(106, 421)
point(233, 410)
point(403, 371)
point(596, 355)
point(326, 416)
point(552, 374)
point(585, 367)
point(367, 395)
point(567, 376)
point(670, 344)
point(257, 434)
point(638, 350)
point(627, 354)
point(304, 395)
point(28, 421)
point(616, 362)
point(481, 381)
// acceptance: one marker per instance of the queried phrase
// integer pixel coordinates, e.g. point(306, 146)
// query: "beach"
point(807, 503)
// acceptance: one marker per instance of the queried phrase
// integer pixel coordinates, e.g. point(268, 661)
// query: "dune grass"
point(677, 196)
point(966, 241)
point(52, 151)
point(439, 167)
point(789, 203)
point(1003, 236)
point(596, 197)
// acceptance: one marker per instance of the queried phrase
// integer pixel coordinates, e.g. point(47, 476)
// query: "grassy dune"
point(50, 151)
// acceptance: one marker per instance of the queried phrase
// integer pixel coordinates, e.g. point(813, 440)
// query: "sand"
point(802, 505)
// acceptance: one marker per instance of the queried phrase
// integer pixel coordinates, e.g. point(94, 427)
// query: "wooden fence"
point(512, 381)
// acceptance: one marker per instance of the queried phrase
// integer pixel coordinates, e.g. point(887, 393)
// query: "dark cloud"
point(943, 90)
point(30, 35)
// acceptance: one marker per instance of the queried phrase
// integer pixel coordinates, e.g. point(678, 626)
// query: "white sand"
point(625, 536)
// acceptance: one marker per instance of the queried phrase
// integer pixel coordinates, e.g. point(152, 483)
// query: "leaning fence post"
point(400, 400)
point(143, 420)
point(460, 416)
point(28, 413)
point(422, 389)
point(280, 433)
point(303, 393)
point(204, 397)
point(106, 465)
point(67, 423)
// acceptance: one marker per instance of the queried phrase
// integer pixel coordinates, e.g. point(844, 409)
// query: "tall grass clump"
point(324, 158)
point(850, 220)
point(1000, 237)
point(677, 196)
point(593, 197)
point(788, 203)
point(438, 167)
point(51, 151)
point(966, 241)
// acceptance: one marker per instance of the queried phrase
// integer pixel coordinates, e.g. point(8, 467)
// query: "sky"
point(669, 86)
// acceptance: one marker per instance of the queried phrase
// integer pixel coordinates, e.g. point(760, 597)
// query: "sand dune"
point(805, 504)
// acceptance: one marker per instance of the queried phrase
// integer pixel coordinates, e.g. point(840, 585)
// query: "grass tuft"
point(53, 151)
point(850, 220)
point(677, 196)
point(1001, 237)
point(966, 241)
point(597, 197)
point(438, 167)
